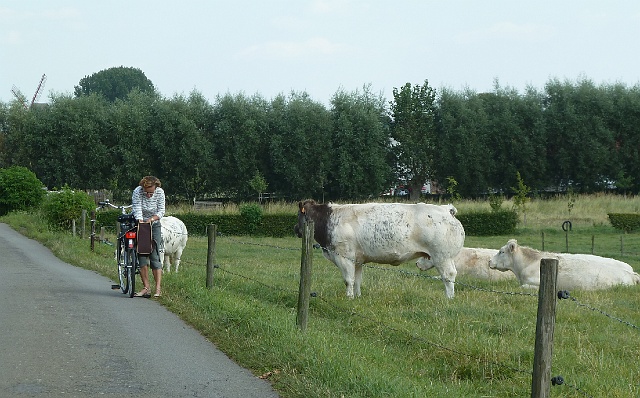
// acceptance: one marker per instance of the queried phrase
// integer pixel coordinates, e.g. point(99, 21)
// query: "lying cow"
point(354, 234)
point(474, 262)
point(575, 271)
point(174, 236)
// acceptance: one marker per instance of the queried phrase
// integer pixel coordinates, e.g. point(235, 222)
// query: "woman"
point(148, 206)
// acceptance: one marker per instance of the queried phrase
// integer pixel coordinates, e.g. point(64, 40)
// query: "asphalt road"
point(65, 333)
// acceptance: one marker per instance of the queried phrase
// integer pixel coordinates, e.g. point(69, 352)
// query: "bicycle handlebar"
point(102, 205)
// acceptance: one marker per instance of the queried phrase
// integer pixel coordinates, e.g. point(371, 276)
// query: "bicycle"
point(126, 251)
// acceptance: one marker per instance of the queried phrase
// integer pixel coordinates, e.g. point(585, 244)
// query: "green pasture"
point(402, 338)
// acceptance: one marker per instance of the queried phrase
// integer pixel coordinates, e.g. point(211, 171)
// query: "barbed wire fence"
point(555, 381)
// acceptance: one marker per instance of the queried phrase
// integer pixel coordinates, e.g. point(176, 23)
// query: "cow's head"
point(303, 214)
point(504, 259)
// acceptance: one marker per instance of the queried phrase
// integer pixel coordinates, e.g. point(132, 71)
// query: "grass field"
point(403, 338)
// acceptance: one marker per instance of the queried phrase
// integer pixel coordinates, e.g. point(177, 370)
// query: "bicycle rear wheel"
point(121, 257)
point(132, 259)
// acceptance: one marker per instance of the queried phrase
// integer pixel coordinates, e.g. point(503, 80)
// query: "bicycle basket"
point(126, 218)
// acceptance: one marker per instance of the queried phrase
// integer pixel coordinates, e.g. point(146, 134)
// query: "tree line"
point(569, 135)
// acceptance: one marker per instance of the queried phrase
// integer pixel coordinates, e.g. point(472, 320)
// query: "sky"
point(321, 47)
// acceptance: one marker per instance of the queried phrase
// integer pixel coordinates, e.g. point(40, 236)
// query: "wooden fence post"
point(306, 262)
point(93, 228)
point(83, 224)
point(211, 253)
point(545, 326)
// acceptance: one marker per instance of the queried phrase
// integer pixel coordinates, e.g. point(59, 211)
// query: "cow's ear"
point(512, 246)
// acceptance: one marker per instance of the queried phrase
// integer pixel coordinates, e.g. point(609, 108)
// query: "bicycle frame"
point(126, 252)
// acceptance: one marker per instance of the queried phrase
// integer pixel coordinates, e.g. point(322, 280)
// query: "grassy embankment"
point(402, 338)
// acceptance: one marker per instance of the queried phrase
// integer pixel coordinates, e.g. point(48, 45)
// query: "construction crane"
point(23, 99)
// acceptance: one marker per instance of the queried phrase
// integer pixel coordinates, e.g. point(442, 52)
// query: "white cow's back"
point(393, 233)
point(586, 271)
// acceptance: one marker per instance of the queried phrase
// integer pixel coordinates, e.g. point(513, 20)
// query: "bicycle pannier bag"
point(144, 238)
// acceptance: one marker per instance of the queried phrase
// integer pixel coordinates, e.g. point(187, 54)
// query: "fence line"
point(557, 380)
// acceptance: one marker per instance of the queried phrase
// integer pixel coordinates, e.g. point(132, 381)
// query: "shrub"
point(252, 214)
point(625, 222)
point(20, 189)
point(501, 222)
point(60, 207)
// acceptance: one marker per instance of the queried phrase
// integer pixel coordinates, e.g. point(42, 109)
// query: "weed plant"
point(402, 338)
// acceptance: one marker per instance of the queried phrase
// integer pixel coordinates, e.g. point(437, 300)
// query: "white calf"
point(174, 236)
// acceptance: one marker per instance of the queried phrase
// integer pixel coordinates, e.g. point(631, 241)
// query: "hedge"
point(502, 222)
point(626, 222)
point(281, 225)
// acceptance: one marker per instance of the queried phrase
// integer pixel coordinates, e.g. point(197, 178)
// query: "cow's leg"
point(176, 258)
point(166, 262)
point(348, 274)
point(447, 270)
point(358, 279)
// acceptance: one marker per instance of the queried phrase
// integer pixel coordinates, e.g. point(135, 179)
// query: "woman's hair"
point(149, 181)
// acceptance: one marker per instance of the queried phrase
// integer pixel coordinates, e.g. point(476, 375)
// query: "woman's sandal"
point(158, 293)
point(146, 293)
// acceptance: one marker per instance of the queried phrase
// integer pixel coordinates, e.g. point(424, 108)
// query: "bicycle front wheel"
point(132, 259)
point(121, 258)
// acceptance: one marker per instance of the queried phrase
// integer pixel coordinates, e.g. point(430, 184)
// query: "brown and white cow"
point(474, 262)
point(575, 271)
point(386, 233)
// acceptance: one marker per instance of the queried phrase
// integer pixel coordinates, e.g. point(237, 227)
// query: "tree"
point(515, 137)
point(581, 146)
point(131, 133)
point(360, 146)
point(182, 154)
point(77, 142)
point(239, 138)
point(413, 111)
point(462, 150)
point(520, 198)
point(299, 130)
point(4, 129)
point(114, 83)
point(258, 184)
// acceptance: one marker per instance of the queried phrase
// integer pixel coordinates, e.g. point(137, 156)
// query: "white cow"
point(575, 271)
point(174, 236)
point(385, 233)
point(474, 262)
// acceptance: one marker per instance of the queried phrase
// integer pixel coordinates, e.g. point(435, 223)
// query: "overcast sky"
point(269, 47)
